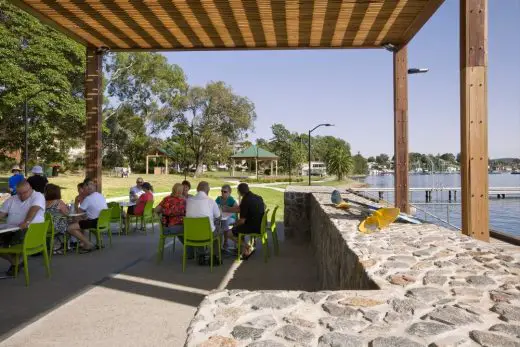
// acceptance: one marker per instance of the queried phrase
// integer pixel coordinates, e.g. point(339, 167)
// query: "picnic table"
point(126, 203)
point(5, 228)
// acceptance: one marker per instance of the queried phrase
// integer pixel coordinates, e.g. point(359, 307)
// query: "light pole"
point(310, 132)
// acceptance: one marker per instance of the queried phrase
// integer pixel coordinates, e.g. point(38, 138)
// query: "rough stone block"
point(485, 338)
point(339, 340)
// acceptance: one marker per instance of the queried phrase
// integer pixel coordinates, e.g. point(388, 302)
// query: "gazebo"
point(180, 25)
point(157, 154)
point(258, 154)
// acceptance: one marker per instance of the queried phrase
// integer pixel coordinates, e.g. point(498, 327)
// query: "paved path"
point(121, 296)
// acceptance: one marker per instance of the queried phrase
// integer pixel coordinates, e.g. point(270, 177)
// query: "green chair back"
point(35, 239)
point(116, 210)
point(197, 230)
point(48, 217)
point(264, 222)
point(273, 219)
point(104, 219)
point(148, 210)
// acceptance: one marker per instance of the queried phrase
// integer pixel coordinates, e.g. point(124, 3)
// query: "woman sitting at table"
point(147, 196)
point(59, 212)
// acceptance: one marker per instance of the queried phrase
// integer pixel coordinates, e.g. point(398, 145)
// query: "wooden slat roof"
point(234, 24)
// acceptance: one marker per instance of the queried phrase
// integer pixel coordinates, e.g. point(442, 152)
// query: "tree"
point(212, 116)
point(382, 159)
point(286, 144)
point(339, 162)
point(360, 166)
point(44, 67)
point(371, 159)
point(322, 145)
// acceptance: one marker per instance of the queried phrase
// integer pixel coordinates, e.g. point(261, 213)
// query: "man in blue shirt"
point(16, 178)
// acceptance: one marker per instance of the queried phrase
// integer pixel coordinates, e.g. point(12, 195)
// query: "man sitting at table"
point(252, 209)
point(22, 209)
point(226, 200)
point(201, 205)
point(92, 205)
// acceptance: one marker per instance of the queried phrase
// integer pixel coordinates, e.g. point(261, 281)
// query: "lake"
point(504, 214)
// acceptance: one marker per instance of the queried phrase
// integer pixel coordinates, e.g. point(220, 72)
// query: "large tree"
point(139, 86)
point(287, 146)
point(339, 162)
point(42, 67)
point(359, 165)
point(209, 118)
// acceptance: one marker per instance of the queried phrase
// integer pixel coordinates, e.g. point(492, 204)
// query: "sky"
point(353, 90)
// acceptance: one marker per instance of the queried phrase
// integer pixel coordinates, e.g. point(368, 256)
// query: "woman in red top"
point(143, 199)
point(173, 210)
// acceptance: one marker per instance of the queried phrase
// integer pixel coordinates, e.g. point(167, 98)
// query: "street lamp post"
point(310, 132)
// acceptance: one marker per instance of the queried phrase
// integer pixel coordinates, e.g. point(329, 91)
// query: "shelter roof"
point(254, 152)
point(234, 24)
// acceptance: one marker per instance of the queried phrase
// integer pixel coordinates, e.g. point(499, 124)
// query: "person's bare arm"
point(158, 209)
point(234, 209)
point(240, 221)
point(29, 217)
point(63, 208)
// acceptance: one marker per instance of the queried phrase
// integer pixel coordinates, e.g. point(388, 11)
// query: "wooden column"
point(233, 168)
point(401, 129)
point(166, 164)
point(272, 167)
point(147, 158)
point(276, 163)
point(93, 102)
point(473, 118)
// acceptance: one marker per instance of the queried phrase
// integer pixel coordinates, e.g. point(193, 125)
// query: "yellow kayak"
point(379, 219)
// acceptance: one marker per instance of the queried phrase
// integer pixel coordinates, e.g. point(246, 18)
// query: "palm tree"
point(339, 162)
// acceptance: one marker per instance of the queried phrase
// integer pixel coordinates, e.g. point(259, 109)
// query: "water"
point(504, 214)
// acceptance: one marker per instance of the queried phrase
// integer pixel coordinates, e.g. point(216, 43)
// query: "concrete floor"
point(121, 295)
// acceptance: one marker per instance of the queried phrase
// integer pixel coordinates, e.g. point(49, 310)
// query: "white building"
point(318, 168)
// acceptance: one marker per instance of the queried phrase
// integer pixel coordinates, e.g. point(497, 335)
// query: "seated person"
point(92, 205)
point(186, 185)
point(82, 194)
point(252, 209)
point(22, 209)
point(173, 209)
point(135, 192)
point(16, 178)
point(226, 200)
point(142, 200)
point(38, 181)
point(59, 211)
point(201, 205)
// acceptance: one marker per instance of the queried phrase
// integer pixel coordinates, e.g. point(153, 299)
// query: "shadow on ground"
point(122, 294)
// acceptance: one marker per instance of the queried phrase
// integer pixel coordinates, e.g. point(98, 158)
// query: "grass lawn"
point(117, 186)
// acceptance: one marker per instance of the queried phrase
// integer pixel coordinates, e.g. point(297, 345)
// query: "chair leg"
point(274, 235)
point(52, 247)
point(211, 256)
point(46, 261)
point(183, 257)
point(160, 250)
point(65, 243)
point(26, 269)
point(173, 247)
point(109, 236)
point(239, 250)
point(265, 248)
point(16, 262)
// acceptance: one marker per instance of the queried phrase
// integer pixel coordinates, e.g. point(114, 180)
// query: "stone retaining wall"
point(437, 288)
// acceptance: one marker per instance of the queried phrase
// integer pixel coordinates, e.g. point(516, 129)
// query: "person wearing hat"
point(16, 178)
point(37, 180)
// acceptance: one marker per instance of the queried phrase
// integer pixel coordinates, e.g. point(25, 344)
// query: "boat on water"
point(515, 172)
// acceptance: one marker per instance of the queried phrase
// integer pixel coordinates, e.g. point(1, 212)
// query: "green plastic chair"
point(162, 241)
point(103, 225)
point(198, 233)
point(262, 235)
point(50, 233)
point(34, 242)
point(148, 216)
point(129, 221)
point(274, 234)
point(115, 217)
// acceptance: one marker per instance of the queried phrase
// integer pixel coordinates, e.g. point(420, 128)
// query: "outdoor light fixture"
point(389, 47)
point(310, 131)
point(415, 70)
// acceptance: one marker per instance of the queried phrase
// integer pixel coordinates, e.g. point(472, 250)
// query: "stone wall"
point(437, 288)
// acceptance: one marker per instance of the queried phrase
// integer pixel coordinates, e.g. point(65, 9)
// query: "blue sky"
point(353, 88)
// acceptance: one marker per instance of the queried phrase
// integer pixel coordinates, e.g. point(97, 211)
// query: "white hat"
point(16, 168)
point(37, 169)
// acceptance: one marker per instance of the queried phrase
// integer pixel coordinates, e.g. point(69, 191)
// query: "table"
point(77, 214)
point(126, 203)
point(4, 228)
